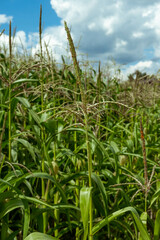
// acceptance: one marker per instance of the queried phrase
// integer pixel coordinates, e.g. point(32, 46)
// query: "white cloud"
point(73, 9)
point(147, 12)
point(4, 40)
point(120, 44)
point(154, 22)
point(54, 38)
point(92, 26)
point(108, 25)
point(120, 29)
point(20, 39)
point(143, 66)
point(137, 34)
point(33, 39)
point(5, 19)
point(19, 42)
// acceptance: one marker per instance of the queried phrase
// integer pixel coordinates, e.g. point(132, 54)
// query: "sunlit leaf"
point(39, 236)
point(140, 226)
point(24, 101)
point(85, 193)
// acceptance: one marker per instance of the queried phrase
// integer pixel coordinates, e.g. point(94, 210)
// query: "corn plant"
point(79, 150)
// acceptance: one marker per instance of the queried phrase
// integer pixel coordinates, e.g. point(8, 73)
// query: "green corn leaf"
point(52, 179)
point(12, 235)
point(26, 218)
point(7, 194)
point(73, 176)
point(57, 206)
point(141, 227)
point(114, 147)
point(10, 206)
point(39, 236)
point(51, 125)
point(102, 190)
point(4, 228)
point(102, 126)
point(99, 144)
point(157, 226)
point(5, 184)
point(123, 128)
point(85, 193)
point(143, 218)
point(157, 193)
point(28, 146)
point(24, 81)
point(35, 117)
point(155, 197)
point(5, 106)
point(24, 101)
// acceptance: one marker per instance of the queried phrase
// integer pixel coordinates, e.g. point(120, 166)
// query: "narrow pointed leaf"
point(24, 101)
point(10, 206)
point(35, 117)
point(24, 81)
point(57, 206)
point(157, 226)
point(26, 218)
point(118, 213)
point(102, 190)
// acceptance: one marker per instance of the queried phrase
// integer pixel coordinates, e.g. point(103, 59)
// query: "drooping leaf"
point(99, 144)
point(39, 236)
point(10, 206)
point(102, 190)
point(57, 206)
point(28, 146)
point(24, 81)
point(140, 226)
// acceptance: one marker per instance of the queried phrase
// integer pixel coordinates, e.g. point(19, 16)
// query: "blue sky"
point(124, 30)
point(26, 14)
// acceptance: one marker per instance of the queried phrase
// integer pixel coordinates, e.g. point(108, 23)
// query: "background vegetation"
point(79, 150)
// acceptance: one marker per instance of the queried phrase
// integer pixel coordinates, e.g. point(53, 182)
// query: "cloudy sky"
point(124, 30)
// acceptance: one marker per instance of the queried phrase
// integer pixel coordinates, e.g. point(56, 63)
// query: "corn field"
point(79, 151)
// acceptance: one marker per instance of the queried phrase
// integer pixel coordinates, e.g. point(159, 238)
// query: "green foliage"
point(85, 197)
point(110, 218)
point(39, 236)
point(71, 159)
